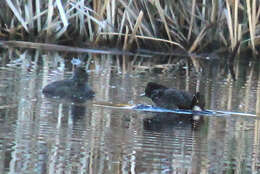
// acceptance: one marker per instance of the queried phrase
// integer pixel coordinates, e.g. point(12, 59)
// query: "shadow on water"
point(38, 135)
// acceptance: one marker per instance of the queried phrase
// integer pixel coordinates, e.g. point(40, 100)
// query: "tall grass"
point(192, 25)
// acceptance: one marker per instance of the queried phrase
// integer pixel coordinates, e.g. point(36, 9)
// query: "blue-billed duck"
point(172, 98)
point(75, 89)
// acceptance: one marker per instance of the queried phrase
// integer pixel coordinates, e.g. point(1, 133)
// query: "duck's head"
point(198, 102)
point(80, 75)
point(151, 86)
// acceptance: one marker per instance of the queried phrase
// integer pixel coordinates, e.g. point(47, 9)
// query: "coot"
point(172, 98)
point(75, 89)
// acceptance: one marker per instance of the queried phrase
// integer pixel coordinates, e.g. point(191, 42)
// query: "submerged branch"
point(54, 47)
point(112, 51)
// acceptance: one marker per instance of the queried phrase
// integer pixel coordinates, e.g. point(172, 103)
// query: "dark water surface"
point(39, 135)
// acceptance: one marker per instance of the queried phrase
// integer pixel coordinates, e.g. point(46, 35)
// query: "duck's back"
point(172, 98)
point(58, 88)
point(68, 89)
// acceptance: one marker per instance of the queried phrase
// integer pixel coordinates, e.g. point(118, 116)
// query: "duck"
point(76, 88)
point(171, 98)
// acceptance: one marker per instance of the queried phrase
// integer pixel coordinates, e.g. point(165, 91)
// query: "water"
point(38, 135)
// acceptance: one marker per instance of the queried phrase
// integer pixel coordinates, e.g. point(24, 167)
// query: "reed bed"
point(191, 25)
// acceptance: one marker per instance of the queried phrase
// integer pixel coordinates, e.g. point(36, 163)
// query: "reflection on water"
point(38, 135)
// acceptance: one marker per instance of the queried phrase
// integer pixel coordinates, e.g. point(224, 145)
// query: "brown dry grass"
point(192, 25)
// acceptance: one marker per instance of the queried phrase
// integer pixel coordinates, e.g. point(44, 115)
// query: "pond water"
point(39, 135)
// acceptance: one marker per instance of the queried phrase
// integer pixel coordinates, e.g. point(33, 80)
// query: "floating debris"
point(150, 108)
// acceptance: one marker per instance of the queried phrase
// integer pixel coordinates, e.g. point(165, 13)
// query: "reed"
point(193, 25)
point(251, 13)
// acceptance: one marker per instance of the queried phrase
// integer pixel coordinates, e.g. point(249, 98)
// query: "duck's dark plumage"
point(75, 89)
point(172, 98)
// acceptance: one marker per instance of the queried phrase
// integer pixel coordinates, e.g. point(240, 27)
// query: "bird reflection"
point(169, 121)
point(78, 112)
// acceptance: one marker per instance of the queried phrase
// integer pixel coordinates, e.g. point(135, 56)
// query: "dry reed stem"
point(133, 15)
point(258, 14)
point(251, 24)
point(254, 15)
point(108, 16)
point(222, 37)
point(192, 18)
point(137, 24)
point(203, 9)
point(230, 26)
point(122, 25)
point(100, 24)
point(113, 13)
point(161, 13)
point(235, 22)
point(17, 14)
point(131, 25)
point(239, 35)
point(80, 21)
point(49, 17)
point(147, 37)
point(103, 8)
point(213, 11)
point(90, 28)
point(28, 7)
point(151, 19)
point(38, 11)
point(198, 39)
point(63, 18)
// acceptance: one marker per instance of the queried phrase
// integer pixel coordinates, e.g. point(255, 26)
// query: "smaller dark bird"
point(75, 89)
point(171, 98)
